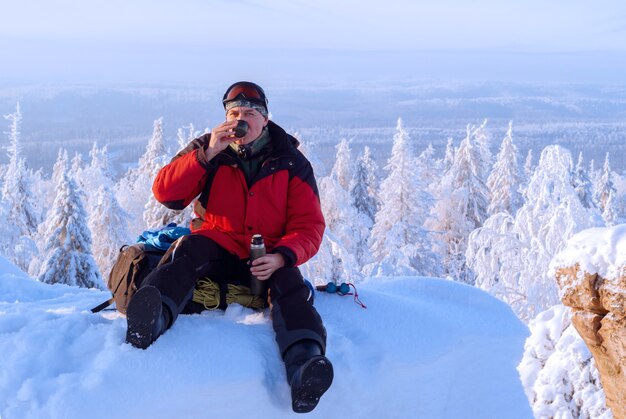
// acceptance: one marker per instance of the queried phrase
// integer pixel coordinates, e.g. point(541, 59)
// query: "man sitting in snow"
point(259, 183)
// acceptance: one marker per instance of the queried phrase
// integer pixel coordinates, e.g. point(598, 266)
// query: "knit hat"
point(247, 104)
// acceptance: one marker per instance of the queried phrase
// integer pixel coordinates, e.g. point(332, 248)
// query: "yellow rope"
point(207, 293)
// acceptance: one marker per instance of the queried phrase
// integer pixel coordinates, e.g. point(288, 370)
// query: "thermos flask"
point(257, 249)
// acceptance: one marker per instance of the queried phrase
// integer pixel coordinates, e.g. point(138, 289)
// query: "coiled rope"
point(207, 293)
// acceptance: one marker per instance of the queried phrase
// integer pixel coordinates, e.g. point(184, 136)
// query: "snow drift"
point(424, 347)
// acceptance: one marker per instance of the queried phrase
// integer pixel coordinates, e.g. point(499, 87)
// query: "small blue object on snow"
point(161, 239)
point(344, 288)
point(341, 289)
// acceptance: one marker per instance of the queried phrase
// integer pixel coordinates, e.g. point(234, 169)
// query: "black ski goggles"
point(245, 90)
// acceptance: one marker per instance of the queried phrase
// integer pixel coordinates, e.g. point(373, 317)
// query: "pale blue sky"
point(164, 40)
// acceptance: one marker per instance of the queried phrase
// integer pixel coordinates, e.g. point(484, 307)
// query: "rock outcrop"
point(592, 281)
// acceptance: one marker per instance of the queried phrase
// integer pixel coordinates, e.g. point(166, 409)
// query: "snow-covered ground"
point(423, 348)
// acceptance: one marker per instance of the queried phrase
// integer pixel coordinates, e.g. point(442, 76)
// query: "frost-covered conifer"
point(461, 207)
point(108, 225)
point(582, 183)
point(349, 226)
point(16, 190)
point(466, 174)
point(592, 169)
point(364, 185)
point(134, 191)
point(78, 164)
point(399, 242)
point(493, 255)
point(97, 182)
point(604, 185)
point(610, 212)
point(20, 217)
point(448, 159)
point(558, 372)
point(528, 164)
point(504, 181)
point(49, 189)
point(481, 138)
point(67, 252)
point(551, 214)
point(185, 135)
point(332, 263)
point(430, 167)
point(100, 166)
point(343, 168)
point(308, 148)
point(61, 165)
point(157, 215)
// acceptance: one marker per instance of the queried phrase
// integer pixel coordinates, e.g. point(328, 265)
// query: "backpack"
point(133, 264)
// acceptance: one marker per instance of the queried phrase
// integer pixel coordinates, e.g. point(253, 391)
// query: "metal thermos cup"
point(257, 249)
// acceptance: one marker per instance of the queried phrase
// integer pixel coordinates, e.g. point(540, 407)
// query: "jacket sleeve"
point(305, 221)
point(180, 181)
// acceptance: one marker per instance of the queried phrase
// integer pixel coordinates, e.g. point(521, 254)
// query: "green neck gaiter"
point(252, 155)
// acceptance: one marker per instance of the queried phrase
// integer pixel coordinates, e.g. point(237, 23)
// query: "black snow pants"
point(195, 256)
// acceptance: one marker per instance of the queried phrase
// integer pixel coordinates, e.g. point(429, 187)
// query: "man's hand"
point(221, 136)
point(265, 266)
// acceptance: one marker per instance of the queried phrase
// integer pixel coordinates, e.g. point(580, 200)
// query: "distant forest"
point(587, 118)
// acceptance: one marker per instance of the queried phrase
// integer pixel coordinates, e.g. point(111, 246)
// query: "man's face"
point(255, 120)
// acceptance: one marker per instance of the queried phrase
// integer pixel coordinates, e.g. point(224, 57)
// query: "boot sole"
point(142, 313)
point(316, 377)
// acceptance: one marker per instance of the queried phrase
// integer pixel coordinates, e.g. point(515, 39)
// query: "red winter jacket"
point(282, 202)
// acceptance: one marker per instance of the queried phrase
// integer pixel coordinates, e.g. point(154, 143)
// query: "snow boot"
point(309, 374)
point(146, 317)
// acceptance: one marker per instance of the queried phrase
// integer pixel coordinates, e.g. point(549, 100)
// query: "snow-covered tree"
point(551, 214)
point(49, 190)
point(504, 181)
point(308, 147)
point(610, 212)
point(344, 166)
point(528, 164)
point(16, 191)
point(20, 217)
point(461, 208)
point(61, 165)
point(364, 185)
point(185, 135)
point(67, 252)
point(332, 263)
point(593, 173)
point(558, 372)
point(481, 138)
point(350, 226)
point(604, 185)
point(134, 191)
point(100, 166)
point(78, 164)
point(40, 188)
point(91, 178)
point(582, 183)
point(493, 255)
point(399, 242)
point(156, 215)
point(430, 168)
point(448, 159)
point(108, 224)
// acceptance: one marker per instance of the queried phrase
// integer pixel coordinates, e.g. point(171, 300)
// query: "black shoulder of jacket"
point(283, 143)
point(200, 142)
